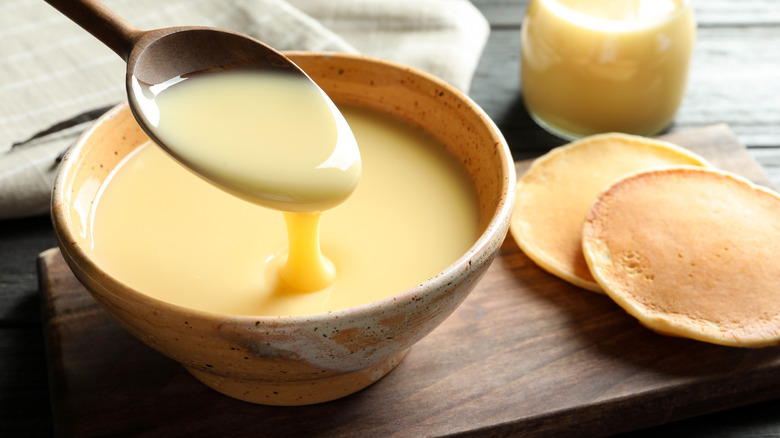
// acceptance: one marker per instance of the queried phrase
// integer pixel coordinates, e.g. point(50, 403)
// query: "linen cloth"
point(55, 78)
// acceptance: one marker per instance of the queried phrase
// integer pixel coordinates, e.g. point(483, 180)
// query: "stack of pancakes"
point(685, 248)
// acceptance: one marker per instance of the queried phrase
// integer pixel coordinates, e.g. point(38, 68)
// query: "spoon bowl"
point(157, 59)
point(163, 54)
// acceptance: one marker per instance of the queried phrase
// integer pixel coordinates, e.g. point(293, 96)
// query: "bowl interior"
point(403, 93)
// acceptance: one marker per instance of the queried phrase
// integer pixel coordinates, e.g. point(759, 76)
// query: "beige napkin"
point(55, 78)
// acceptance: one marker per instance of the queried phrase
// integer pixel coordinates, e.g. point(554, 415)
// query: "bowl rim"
point(491, 236)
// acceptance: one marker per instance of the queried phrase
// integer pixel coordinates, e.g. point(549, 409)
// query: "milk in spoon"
point(272, 139)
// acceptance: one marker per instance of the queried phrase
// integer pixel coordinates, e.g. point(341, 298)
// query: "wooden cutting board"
point(525, 354)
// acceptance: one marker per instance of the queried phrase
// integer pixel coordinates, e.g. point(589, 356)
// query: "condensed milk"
point(169, 234)
point(274, 139)
point(593, 66)
point(271, 138)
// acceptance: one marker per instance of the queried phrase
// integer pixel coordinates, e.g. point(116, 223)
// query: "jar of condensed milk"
point(594, 66)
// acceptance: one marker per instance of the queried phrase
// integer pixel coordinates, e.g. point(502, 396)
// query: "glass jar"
point(594, 66)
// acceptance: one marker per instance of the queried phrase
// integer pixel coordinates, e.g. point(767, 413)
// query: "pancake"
point(554, 196)
point(690, 252)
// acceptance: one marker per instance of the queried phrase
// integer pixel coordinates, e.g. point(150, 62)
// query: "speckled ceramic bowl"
point(301, 359)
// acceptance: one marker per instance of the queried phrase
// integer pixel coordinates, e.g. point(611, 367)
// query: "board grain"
point(526, 354)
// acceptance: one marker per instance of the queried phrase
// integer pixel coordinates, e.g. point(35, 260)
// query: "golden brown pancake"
point(555, 194)
point(690, 252)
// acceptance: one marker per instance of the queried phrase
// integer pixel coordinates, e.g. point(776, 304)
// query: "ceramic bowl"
point(300, 360)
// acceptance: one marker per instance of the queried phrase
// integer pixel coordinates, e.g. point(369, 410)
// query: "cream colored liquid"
point(177, 238)
point(592, 66)
point(273, 139)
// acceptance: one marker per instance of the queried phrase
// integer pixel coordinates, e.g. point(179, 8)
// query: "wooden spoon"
point(165, 56)
point(156, 56)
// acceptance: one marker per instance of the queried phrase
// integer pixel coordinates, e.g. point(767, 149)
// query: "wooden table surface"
point(735, 79)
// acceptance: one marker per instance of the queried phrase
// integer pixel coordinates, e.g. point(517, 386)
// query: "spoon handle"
point(105, 25)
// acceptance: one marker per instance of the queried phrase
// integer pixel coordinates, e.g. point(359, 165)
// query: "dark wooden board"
point(525, 354)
